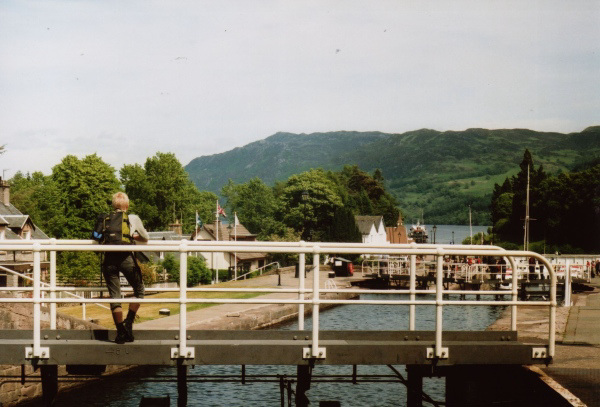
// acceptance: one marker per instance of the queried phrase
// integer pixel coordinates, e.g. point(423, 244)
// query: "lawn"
point(148, 312)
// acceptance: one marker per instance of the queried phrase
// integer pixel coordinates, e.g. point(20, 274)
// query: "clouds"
point(197, 78)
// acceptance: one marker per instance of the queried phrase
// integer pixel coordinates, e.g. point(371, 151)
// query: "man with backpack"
point(118, 228)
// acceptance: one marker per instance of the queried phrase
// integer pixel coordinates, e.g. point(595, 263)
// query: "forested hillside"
point(435, 173)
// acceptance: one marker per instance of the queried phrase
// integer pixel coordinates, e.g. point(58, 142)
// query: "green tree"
point(255, 205)
point(343, 228)
point(309, 201)
point(85, 189)
point(162, 192)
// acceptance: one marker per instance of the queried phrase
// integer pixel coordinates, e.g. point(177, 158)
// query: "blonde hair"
point(120, 200)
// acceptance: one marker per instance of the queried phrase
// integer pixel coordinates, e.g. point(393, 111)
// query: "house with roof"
point(372, 229)
point(397, 234)
point(15, 225)
point(224, 232)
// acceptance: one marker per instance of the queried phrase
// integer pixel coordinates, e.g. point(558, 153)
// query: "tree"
point(85, 188)
point(309, 201)
point(162, 192)
point(255, 205)
point(343, 228)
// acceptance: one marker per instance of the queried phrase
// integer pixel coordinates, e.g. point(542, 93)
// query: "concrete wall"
point(12, 390)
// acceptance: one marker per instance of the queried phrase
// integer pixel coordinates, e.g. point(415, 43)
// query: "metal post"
point(183, 351)
point(413, 285)
point(182, 296)
point(414, 386)
point(568, 283)
point(37, 351)
point(182, 390)
point(316, 352)
point(301, 286)
point(53, 286)
point(439, 300)
point(515, 294)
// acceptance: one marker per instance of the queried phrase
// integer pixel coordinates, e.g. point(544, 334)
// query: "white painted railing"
point(302, 248)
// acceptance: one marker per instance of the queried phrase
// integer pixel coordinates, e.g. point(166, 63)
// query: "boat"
point(418, 233)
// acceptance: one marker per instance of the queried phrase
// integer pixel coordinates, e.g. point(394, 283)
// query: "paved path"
point(245, 316)
point(576, 365)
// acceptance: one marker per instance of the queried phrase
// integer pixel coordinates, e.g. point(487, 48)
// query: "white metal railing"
point(260, 271)
point(186, 247)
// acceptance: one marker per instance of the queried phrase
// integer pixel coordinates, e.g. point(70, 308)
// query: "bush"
point(197, 273)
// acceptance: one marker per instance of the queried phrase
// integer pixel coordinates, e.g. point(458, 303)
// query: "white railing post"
point(568, 283)
point(183, 351)
point(301, 286)
point(439, 352)
point(515, 292)
point(37, 351)
point(413, 287)
point(53, 285)
point(315, 351)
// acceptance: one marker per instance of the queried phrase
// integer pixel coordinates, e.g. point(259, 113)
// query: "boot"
point(122, 336)
point(128, 323)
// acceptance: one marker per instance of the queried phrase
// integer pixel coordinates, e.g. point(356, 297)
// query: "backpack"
point(113, 228)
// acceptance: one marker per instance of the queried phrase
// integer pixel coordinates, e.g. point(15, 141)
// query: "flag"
point(220, 211)
point(236, 221)
point(199, 223)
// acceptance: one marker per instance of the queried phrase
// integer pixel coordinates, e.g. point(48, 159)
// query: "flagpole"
point(217, 236)
point(235, 222)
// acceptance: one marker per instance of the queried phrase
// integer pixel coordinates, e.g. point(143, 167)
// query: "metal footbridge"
point(423, 352)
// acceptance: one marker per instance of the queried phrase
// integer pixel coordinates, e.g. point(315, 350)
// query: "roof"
point(9, 210)
point(365, 223)
point(396, 234)
point(240, 232)
point(166, 235)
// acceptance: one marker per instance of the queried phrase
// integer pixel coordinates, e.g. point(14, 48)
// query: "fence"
point(185, 247)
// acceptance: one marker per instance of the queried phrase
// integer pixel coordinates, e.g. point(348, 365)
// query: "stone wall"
point(12, 390)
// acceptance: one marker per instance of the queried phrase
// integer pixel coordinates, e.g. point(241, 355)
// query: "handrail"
point(260, 269)
point(302, 248)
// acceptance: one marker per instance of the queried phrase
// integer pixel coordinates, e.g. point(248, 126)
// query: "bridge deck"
point(95, 347)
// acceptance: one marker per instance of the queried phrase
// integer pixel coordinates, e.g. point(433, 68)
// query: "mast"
point(470, 226)
point(526, 227)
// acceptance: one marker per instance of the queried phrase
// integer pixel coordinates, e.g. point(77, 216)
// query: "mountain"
point(431, 172)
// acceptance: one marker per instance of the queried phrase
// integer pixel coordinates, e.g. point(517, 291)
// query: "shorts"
point(115, 263)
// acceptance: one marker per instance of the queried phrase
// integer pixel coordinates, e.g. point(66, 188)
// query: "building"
point(15, 225)
point(245, 261)
point(397, 234)
point(372, 229)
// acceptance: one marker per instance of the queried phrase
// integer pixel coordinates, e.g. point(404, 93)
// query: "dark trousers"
point(121, 263)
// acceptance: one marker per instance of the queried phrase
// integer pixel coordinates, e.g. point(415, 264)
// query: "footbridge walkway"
point(425, 353)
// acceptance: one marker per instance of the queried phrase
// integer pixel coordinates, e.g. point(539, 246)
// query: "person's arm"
point(138, 231)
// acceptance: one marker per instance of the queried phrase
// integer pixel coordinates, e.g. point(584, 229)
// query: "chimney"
point(176, 227)
point(4, 192)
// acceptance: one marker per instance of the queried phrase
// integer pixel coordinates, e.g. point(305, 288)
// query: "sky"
point(128, 78)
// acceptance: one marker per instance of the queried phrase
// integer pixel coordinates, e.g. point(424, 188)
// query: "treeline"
point(65, 203)
point(564, 209)
point(315, 205)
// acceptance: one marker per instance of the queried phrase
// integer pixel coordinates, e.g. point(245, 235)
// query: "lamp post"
point(434, 230)
point(452, 237)
point(305, 196)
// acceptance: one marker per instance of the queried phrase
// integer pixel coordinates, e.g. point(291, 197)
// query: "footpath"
point(250, 316)
point(576, 365)
point(575, 369)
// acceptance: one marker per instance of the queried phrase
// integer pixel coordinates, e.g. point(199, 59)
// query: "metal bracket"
point(187, 353)
point(44, 353)
point(445, 353)
point(539, 353)
point(307, 353)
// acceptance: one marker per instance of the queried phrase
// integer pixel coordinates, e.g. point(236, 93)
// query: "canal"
point(127, 390)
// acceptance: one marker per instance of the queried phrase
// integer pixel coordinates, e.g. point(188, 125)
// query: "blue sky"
point(125, 79)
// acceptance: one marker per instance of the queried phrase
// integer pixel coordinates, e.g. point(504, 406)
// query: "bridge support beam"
point(49, 375)
point(182, 390)
point(303, 385)
point(414, 387)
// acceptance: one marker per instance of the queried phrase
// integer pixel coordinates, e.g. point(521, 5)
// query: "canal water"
point(452, 234)
point(123, 392)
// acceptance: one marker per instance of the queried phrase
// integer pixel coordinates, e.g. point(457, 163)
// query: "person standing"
point(118, 227)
